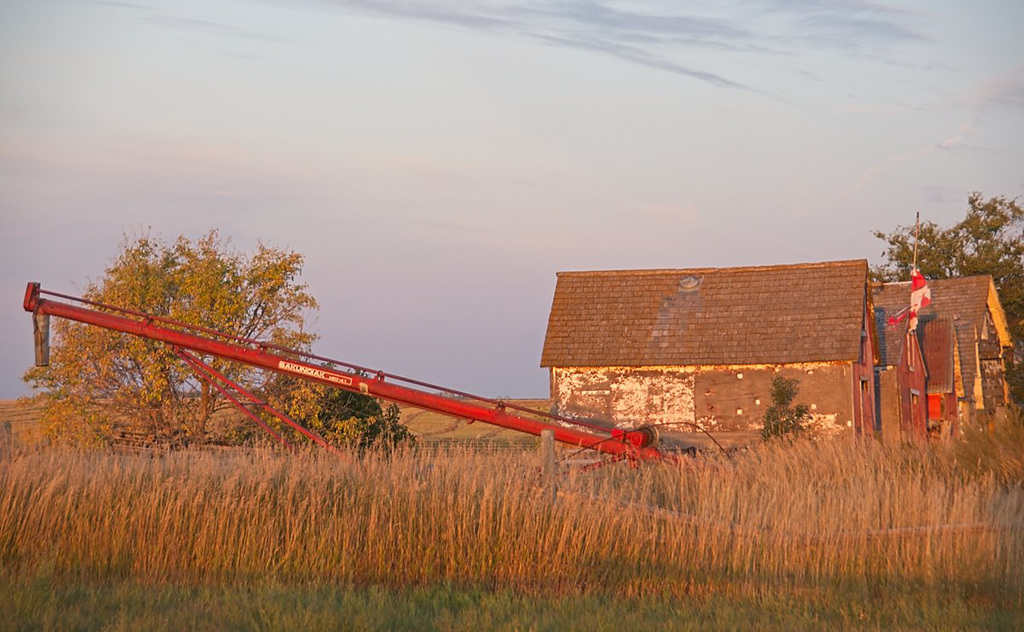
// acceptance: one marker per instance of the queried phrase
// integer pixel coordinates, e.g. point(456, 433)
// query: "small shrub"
point(344, 418)
point(354, 420)
point(782, 419)
point(382, 430)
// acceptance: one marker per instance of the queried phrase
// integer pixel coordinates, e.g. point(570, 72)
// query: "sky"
point(437, 163)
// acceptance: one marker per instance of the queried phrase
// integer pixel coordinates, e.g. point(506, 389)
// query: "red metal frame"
point(632, 444)
point(212, 377)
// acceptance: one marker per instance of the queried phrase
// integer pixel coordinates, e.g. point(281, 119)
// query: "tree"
point(345, 418)
point(989, 240)
point(781, 419)
point(100, 380)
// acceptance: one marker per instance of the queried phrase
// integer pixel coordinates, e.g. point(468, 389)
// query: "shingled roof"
point(708, 316)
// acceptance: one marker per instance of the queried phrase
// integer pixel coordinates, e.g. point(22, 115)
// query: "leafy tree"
point(781, 418)
point(345, 418)
point(100, 380)
point(989, 240)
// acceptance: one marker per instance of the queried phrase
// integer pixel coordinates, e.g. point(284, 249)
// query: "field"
point(23, 419)
point(435, 429)
point(803, 536)
point(432, 429)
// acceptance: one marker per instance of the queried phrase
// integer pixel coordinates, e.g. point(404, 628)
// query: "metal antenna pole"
point(917, 230)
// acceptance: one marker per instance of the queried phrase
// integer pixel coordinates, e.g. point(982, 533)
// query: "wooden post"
point(6, 441)
point(547, 458)
point(41, 334)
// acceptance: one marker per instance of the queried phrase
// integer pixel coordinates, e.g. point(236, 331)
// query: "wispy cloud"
point(660, 34)
point(846, 24)
point(638, 55)
point(881, 167)
point(653, 33)
point(1005, 90)
point(209, 27)
point(940, 194)
point(185, 23)
point(877, 110)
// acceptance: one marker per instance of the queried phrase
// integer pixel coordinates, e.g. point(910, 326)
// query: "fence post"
point(6, 440)
point(548, 465)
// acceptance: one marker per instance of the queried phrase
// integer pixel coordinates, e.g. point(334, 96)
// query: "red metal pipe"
point(449, 392)
point(621, 443)
point(212, 377)
point(309, 434)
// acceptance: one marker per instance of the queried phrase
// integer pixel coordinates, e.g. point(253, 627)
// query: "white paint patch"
point(627, 397)
point(825, 423)
point(708, 422)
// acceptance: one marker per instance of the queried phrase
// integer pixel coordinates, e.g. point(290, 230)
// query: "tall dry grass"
point(793, 516)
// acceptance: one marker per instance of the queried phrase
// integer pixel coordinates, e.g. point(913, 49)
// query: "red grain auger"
point(191, 342)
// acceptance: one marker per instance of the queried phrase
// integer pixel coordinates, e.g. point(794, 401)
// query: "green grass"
point(41, 604)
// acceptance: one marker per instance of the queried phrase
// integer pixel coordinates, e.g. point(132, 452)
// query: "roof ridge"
point(973, 277)
point(651, 271)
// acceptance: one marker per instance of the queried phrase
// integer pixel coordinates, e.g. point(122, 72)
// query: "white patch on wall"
point(707, 422)
point(647, 397)
point(825, 423)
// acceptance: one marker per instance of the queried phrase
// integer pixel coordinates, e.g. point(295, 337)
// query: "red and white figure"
point(920, 296)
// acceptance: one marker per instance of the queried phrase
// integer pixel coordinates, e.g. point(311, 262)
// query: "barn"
point(699, 347)
point(977, 353)
point(901, 377)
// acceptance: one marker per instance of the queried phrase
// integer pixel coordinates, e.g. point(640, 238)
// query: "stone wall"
point(721, 399)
